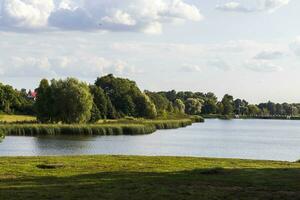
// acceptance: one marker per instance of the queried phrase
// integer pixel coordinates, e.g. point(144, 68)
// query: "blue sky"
point(248, 48)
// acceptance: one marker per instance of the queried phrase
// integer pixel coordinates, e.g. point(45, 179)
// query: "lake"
point(247, 139)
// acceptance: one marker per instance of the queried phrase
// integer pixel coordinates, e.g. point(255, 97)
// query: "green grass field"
point(16, 118)
point(130, 177)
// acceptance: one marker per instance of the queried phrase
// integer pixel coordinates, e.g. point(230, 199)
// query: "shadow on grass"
point(213, 183)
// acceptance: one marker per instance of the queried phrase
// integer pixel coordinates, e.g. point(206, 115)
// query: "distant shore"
point(251, 117)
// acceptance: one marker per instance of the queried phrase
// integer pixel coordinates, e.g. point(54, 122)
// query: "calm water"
point(250, 139)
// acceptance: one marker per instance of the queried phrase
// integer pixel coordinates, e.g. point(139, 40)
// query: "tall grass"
point(115, 127)
point(101, 129)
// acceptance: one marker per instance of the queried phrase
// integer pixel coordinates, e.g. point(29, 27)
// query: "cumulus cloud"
point(89, 66)
point(249, 7)
point(262, 66)
point(113, 15)
point(218, 64)
point(190, 68)
point(295, 46)
point(269, 55)
point(26, 13)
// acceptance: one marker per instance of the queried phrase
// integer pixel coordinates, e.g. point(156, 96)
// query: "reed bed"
point(86, 129)
point(115, 127)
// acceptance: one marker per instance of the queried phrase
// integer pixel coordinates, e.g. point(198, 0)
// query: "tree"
point(125, 96)
point(103, 103)
point(160, 101)
point(179, 106)
point(240, 107)
point(95, 113)
point(193, 106)
point(44, 102)
point(145, 107)
point(228, 107)
point(209, 107)
point(253, 110)
point(14, 101)
point(67, 101)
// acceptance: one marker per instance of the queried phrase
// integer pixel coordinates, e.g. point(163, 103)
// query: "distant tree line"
point(14, 101)
point(73, 101)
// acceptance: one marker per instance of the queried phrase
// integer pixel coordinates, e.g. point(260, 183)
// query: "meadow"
point(136, 177)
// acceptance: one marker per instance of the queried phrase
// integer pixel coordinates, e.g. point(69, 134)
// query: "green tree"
point(125, 96)
point(145, 107)
point(228, 105)
point(69, 101)
point(103, 103)
point(193, 106)
point(179, 106)
point(253, 110)
point(44, 102)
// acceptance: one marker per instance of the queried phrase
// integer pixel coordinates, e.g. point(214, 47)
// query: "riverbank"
point(226, 117)
point(133, 177)
point(110, 127)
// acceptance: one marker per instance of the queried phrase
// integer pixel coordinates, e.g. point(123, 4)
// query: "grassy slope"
point(129, 177)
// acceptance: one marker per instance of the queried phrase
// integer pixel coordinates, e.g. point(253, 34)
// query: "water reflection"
point(251, 139)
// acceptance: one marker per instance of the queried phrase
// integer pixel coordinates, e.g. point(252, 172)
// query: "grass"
point(132, 177)
point(16, 118)
point(112, 127)
point(84, 129)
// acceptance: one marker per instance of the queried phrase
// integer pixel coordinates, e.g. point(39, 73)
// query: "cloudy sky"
point(248, 48)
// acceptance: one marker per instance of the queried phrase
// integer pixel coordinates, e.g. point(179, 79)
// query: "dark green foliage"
point(103, 103)
point(67, 101)
point(145, 107)
point(160, 101)
point(240, 107)
point(179, 106)
point(209, 107)
point(228, 105)
point(95, 114)
point(193, 106)
point(126, 97)
point(13, 101)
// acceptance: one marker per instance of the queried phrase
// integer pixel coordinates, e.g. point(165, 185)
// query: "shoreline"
point(117, 127)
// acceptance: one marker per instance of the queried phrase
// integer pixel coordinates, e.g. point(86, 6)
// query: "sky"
point(247, 48)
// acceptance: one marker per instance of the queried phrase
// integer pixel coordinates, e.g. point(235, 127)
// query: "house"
point(32, 95)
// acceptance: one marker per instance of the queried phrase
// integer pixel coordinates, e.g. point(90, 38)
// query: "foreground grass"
point(130, 177)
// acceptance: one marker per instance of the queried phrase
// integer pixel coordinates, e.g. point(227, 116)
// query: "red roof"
point(33, 94)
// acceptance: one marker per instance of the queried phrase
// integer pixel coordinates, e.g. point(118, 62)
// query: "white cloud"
point(190, 68)
point(295, 46)
point(262, 66)
point(233, 6)
point(113, 15)
point(218, 64)
point(269, 55)
point(251, 6)
point(26, 13)
point(85, 66)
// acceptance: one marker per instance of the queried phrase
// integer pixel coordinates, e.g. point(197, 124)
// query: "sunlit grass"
point(138, 177)
point(16, 118)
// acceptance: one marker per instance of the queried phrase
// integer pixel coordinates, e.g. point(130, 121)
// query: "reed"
point(111, 127)
point(84, 129)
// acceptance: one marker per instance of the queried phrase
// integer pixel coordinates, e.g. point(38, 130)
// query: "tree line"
point(73, 101)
